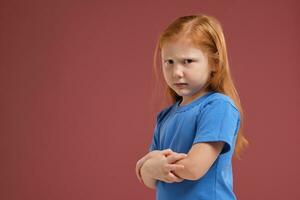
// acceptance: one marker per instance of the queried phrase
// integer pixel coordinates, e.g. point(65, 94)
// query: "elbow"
point(190, 172)
point(195, 176)
point(150, 186)
point(196, 173)
point(153, 186)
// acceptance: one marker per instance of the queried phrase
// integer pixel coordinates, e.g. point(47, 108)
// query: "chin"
point(183, 93)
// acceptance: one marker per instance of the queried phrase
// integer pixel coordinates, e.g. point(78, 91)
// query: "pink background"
point(75, 85)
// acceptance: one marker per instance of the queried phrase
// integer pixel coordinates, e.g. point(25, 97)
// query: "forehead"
point(180, 49)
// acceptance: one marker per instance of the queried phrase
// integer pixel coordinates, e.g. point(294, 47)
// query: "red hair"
point(206, 33)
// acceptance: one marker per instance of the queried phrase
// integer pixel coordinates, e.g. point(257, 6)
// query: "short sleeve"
point(217, 121)
point(154, 143)
point(155, 137)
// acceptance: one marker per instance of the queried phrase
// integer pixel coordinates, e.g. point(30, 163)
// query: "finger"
point(141, 163)
point(176, 154)
point(167, 152)
point(175, 157)
point(138, 167)
point(173, 167)
point(167, 179)
point(173, 178)
point(164, 179)
point(137, 172)
point(178, 179)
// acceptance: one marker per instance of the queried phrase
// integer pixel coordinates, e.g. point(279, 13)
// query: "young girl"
point(195, 137)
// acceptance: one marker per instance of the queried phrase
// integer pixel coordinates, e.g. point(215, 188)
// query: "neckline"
point(192, 103)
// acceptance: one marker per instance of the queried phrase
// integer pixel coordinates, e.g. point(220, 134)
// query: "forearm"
point(140, 163)
point(149, 181)
point(186, 172)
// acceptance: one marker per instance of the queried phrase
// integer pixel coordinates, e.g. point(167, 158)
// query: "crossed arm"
point(171, 167)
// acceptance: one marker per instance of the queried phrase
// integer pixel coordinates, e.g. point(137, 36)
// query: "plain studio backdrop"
point(76, 83)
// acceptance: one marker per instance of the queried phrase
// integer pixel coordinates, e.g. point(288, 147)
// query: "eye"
point(187, 61)
point(169, 62)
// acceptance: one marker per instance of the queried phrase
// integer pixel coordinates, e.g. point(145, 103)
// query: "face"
point(185, 69)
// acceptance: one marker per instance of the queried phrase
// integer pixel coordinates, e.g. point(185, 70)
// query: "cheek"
point(166, 75)
point(197, 76)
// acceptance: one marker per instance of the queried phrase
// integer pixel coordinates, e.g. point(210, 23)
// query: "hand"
point(160, 167)
point(151, 154)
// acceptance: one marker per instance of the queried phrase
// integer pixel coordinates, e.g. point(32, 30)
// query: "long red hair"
point(206, 33)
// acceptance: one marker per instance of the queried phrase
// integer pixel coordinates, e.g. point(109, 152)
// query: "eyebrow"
point(182, 58)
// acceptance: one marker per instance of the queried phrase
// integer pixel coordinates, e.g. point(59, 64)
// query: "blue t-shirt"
point(211, 117)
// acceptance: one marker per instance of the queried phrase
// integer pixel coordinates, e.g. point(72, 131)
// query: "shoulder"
point(221, 100)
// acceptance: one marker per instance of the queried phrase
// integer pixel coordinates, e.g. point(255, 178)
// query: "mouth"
point(180, 85)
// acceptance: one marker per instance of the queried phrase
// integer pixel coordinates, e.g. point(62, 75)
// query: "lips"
point(180, 83)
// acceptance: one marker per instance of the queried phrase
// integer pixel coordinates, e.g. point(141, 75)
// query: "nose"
point(178, 70)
